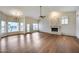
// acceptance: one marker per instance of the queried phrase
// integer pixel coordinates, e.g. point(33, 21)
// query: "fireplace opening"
point(54, 29)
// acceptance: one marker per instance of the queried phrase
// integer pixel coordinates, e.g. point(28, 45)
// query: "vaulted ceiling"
point(34, 11)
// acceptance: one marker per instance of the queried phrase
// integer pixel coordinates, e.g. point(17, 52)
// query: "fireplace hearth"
point(54, 29)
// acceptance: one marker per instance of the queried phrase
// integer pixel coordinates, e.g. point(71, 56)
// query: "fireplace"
point(54, 29)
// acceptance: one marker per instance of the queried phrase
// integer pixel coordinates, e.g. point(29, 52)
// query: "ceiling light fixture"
point(16, 13)
point(41, 13)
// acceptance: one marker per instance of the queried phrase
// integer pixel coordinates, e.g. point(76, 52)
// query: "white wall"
point(44, 26)
point(77, 24)
point(69, 29)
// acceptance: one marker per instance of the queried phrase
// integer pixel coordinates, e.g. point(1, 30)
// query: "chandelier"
point(41, 13)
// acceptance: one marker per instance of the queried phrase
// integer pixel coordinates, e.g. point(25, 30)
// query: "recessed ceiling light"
point(16, 12)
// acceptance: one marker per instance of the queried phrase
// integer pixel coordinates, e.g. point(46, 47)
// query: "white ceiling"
point(27, 10)
point(34, 11)
point(47, 9)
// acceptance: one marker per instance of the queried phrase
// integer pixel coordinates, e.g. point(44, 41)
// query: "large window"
point(3, 28)
point(64, 20)
point(35, 26)
point(13, 26)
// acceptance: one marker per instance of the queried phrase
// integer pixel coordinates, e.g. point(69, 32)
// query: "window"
point(21, 26)
point(64, 20)
point(35, 26)
point(3, 28)
point(28, 27)
point(13, 26)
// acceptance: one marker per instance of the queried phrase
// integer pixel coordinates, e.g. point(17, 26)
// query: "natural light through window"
point(28, 27)
point(64, 20)
point(21, 26)
point(13, 26)
point(35, 26)
point(3, 24)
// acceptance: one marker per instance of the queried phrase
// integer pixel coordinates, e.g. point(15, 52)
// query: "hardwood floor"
point(39, 43)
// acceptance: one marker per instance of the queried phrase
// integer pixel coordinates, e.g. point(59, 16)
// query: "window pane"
point(13, 26)
point(35, 26)
point(28, 27)
point(3, 24)
point(21, 26)
point(66, 21)
point(62, 22)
